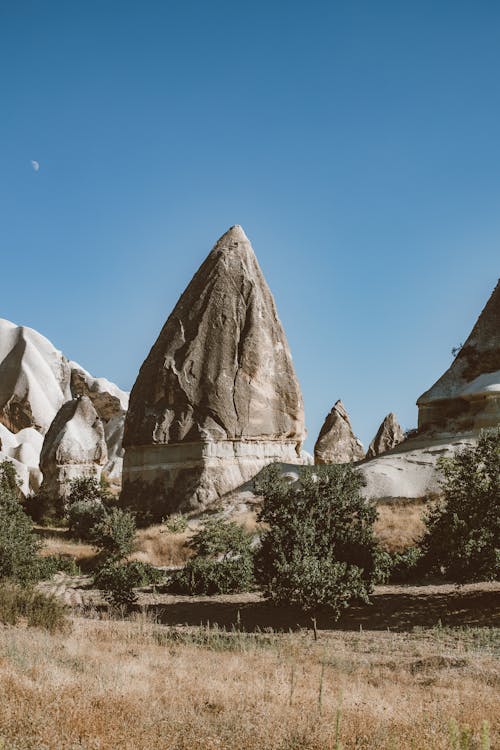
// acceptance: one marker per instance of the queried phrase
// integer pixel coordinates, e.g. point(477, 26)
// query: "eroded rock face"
point(36, 380)
point(217, 396)
point(74, 446)
point(467, 397)
point(388, 436)
point(337, 443)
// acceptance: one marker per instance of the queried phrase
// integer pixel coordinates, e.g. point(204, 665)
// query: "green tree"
point(18, 542)
point(114, 534)
point(463, 532)
point(318, 550)
point(86, 506)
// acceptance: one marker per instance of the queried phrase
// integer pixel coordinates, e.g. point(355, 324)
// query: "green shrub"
point(18, 542)
point(463, 532)
point(137, 573)
point(117, 581)
point(221, 539)
point(319, 550)
point(407, 566)
point(86, 506)
point(202, 575)
point(222, 564)
point(52, 564)
point(114, 534)
point(44, 509)
point(40, 610)
point(176, 524)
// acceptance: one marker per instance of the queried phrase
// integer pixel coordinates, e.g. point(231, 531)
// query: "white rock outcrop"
point(36, 380)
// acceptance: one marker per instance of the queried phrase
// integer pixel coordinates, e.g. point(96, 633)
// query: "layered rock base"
point(191, 476)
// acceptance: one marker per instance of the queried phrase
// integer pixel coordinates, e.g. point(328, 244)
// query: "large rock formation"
point(36, 380)
point(217, 397)
point(467, 397)
point(388, 436)
point(74, 446)
point(337, 443)
point(451, 414)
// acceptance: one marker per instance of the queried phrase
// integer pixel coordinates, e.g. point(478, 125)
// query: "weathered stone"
point(217, 397)
point(411, 470)
point(74, 446)
point(388, 436)
point(337, 443)
point(36, 379)
point(467, 397)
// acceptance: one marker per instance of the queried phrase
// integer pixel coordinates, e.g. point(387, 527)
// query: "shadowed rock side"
point(74, 446)
point(217, 396)
point(388, 436)
point(467, 397)
point(337, 443)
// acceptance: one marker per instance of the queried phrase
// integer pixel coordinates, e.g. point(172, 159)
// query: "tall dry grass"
point(400, 524)
point(137, 685)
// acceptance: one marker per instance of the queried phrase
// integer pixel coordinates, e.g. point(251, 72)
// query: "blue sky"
point(357, 143)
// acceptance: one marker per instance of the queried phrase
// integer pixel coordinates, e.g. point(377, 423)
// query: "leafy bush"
point(52, 564)
point(117, 581)
point(40, 610)
point(202, 575)
point(407, 565)
point(86, 506)
point(44, 509)
point(176, 524)
point(221, 539)
point(18, 543)
point(319, 550)
point(463, 533)
point(222, 563)
point(114, 534)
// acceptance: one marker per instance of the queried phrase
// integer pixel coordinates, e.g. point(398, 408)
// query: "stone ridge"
point(221, 368)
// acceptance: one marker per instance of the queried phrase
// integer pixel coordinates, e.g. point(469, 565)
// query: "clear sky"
point(357, 143)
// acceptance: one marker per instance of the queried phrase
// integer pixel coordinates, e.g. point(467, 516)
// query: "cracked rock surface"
point(337, 443)
point(221, 368)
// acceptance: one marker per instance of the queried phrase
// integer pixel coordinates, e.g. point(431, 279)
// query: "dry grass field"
point(139, 685)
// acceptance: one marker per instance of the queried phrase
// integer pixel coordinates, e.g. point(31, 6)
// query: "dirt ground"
point(397, 608)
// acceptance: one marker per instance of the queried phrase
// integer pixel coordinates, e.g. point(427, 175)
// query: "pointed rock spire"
point(467, 397)
point(337, 443)
point(220, 373)
point(389, 435)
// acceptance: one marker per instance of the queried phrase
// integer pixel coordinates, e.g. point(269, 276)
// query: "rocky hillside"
point(36, 381)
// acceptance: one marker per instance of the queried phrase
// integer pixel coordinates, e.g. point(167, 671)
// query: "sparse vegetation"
point(176, 524)
point(136, 685)
point(40, 610)
point(222, 562)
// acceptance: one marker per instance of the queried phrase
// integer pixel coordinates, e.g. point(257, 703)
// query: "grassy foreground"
point(112, 684)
